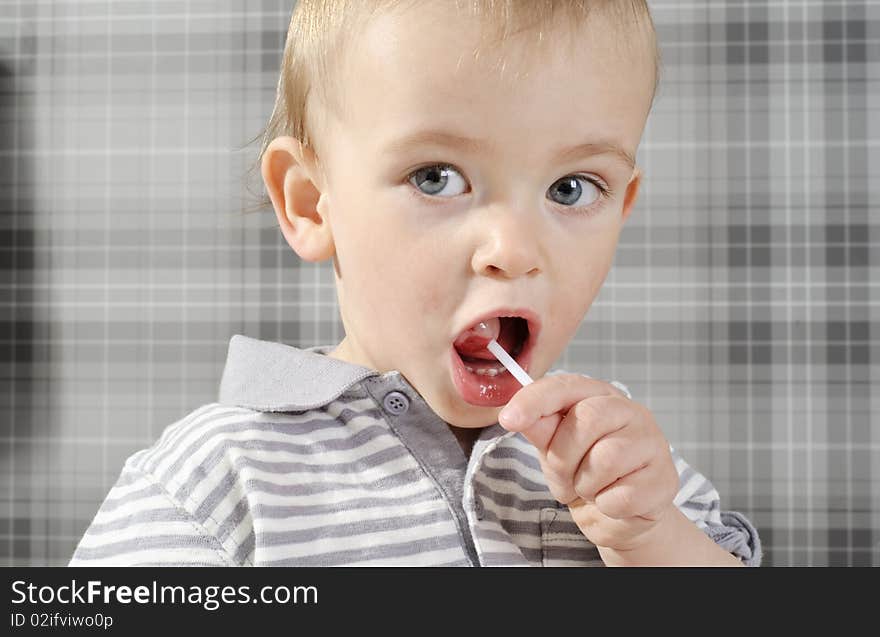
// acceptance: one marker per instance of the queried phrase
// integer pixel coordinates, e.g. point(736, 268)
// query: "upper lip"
point(531, 317)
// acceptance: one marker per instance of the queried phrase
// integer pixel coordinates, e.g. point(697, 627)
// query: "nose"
point(509, 245)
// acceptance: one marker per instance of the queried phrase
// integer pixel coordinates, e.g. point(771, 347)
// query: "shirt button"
point(395, 403)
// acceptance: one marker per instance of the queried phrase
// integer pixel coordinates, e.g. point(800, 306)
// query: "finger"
point(583, 425)
point(542, 431)
point(549, 395)
point(603, 530)
point(611, 458)
point(638, 494)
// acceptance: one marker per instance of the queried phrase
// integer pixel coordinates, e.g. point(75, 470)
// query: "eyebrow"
point(473, 146)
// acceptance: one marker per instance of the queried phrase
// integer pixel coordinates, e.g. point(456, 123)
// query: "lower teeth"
point(486, 371)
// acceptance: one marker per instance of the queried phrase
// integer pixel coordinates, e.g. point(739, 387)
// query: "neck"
point(466, 437)
point(345, 352)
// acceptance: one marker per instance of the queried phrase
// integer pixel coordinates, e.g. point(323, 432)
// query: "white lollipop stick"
point(512, 366)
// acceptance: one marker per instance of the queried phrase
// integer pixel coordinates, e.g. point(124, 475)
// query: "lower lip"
point(486, 391)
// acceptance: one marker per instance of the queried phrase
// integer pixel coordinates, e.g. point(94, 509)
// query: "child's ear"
point(290, 173)
point(632, 192)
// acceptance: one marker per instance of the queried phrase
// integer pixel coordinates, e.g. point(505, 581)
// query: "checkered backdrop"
point(740, 308)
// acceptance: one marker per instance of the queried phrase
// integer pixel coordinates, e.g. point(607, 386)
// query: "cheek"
point(591, 262)
point(406, 274)
point(583, 275)
point(430, 300)
point(430, 278)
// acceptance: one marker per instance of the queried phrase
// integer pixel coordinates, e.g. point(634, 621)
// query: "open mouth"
point(479, 377)
point(511, 332)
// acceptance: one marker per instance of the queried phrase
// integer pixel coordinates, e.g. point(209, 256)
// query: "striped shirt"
point(307, 460)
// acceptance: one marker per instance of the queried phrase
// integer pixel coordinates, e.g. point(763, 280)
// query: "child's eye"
point(445, 181)
point(570, 191)
point(433, 180)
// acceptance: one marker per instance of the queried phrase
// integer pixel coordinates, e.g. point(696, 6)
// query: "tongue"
point(472, 342)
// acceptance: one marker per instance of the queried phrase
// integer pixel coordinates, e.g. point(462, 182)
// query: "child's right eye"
point(433, 180)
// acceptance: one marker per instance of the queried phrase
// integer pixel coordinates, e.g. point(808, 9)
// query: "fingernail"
point(509, 417)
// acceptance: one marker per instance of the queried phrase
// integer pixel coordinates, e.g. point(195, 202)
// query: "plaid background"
point(740, 309)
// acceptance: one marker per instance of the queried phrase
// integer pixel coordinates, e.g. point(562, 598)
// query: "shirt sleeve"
point(698, 499)
point(141, 524)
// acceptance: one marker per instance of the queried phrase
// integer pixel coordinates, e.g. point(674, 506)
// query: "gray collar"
point(268, 376)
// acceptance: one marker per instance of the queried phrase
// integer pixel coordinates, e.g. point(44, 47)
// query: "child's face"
point(515, 222)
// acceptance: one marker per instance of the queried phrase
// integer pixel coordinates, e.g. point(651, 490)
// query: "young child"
point(468, 166)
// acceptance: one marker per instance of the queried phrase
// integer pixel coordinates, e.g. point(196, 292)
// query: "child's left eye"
point(570, 191)
point(433, 180)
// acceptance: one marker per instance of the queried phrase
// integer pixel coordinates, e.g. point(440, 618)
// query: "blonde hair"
point(319, 31)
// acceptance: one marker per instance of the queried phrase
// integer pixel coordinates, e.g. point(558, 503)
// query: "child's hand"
point(602, 454)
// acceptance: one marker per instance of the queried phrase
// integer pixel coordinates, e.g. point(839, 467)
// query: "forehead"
point(427, 65)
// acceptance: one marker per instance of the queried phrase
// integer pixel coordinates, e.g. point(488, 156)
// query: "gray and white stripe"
point(336, 485)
